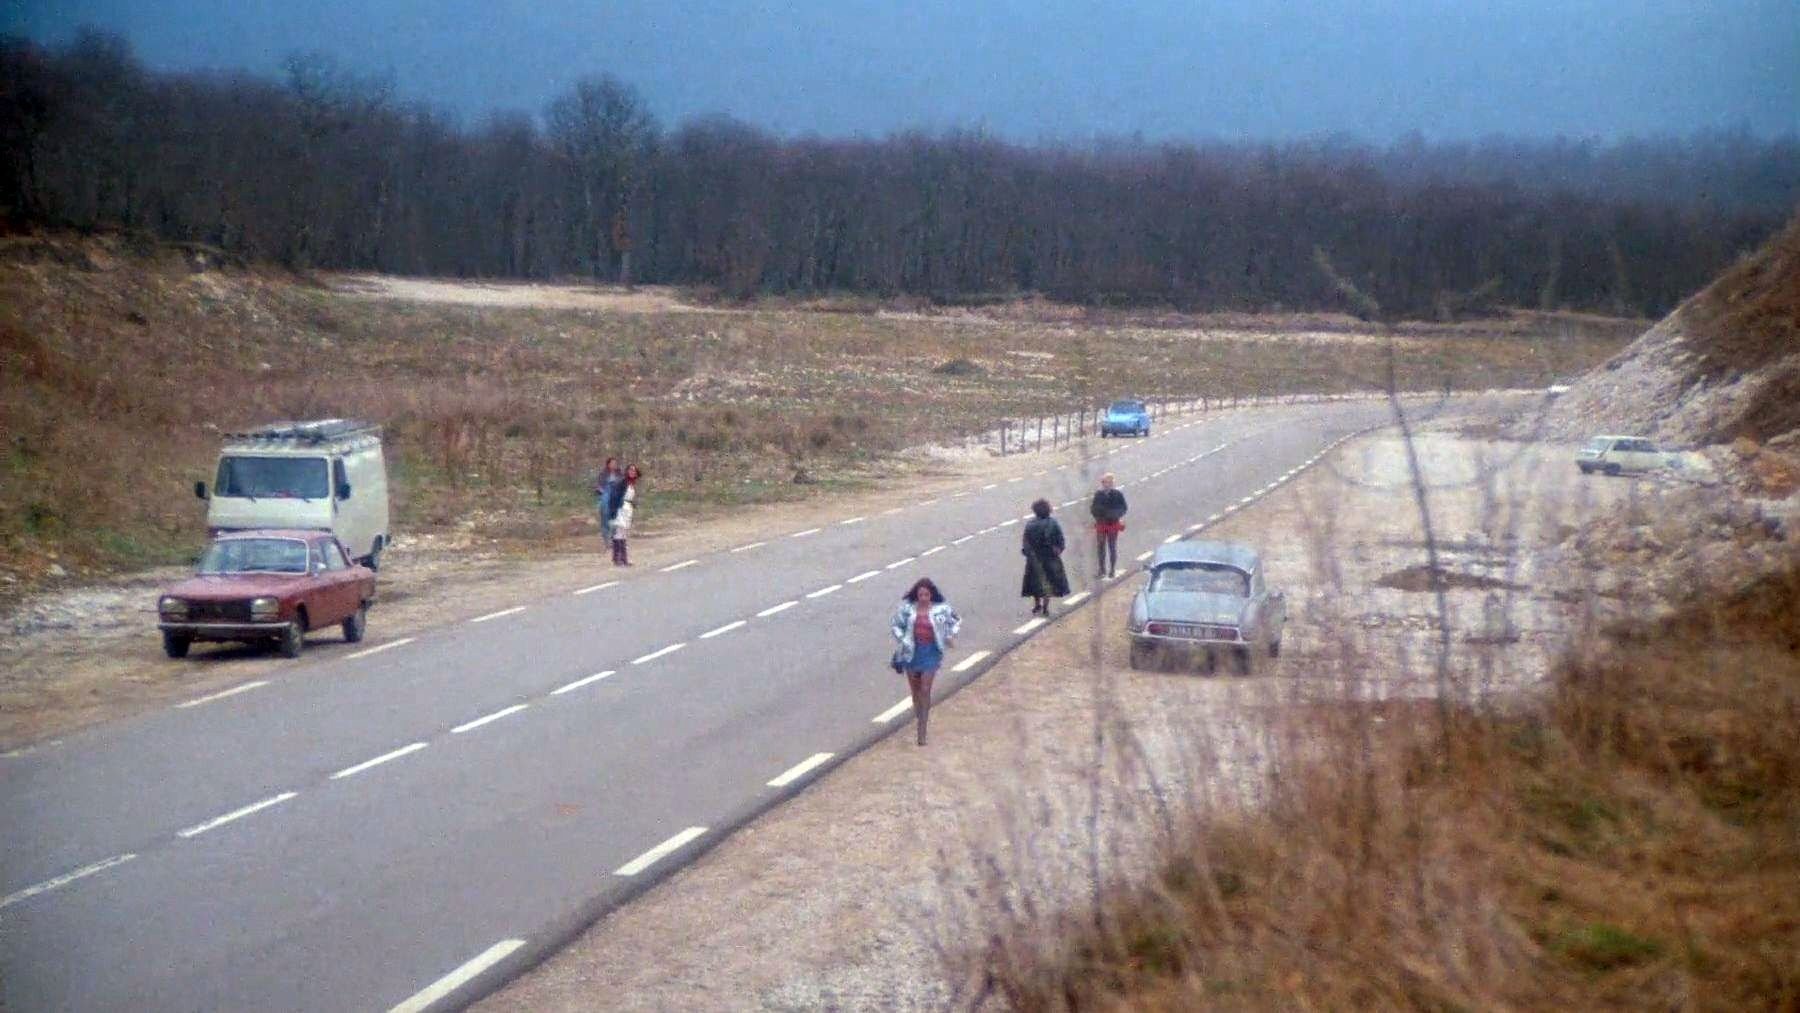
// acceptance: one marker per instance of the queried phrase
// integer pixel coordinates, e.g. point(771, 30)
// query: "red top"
point(922, 633)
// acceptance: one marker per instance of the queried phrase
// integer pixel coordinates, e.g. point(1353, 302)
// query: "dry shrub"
point(1628, 842)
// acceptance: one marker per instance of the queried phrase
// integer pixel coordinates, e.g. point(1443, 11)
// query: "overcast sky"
point(1064, 69)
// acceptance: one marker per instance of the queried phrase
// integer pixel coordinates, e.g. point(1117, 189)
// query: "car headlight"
point(171, 608)
point(265, 608)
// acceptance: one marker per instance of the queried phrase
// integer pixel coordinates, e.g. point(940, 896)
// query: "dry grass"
point(1628, 842)
point(120, 360)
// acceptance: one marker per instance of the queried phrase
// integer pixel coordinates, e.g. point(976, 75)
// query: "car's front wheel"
point(292, 640)
point(176, 645)
point(1241, 662)
point(356, 624)
point(1586, 469)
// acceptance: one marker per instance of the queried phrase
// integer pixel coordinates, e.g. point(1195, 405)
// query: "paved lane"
point(360, 826)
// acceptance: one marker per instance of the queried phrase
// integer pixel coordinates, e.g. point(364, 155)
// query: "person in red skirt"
point(1108, 509)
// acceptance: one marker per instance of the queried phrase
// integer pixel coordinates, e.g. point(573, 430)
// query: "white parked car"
point(1619, 455)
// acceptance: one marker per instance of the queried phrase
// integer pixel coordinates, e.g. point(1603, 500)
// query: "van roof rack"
point(317, 431)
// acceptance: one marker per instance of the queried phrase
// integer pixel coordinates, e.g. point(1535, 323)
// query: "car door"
point(346, 594)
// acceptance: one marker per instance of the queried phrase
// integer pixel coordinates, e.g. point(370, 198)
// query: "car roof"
point(306, 533)
point(1233, 554)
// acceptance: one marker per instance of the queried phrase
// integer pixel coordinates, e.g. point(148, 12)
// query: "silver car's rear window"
point(1201, 577)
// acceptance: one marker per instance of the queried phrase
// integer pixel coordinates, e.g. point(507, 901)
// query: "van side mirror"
point(200, 490)
point(343, 490)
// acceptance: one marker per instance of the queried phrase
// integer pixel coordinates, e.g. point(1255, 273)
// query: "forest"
point(324, 168)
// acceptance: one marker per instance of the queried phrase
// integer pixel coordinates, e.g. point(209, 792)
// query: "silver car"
point(1206, 598)
point(1619, 455)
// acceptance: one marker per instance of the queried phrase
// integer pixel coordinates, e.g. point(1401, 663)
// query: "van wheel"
point(176, 645)
point(356, 624)
point(292, 641)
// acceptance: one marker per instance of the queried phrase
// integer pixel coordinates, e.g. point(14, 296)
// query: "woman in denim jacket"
point(924, 626)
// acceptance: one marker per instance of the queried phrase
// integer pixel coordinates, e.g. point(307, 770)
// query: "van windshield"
point(293, 477)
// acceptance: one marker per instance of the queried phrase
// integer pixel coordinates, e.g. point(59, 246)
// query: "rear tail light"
point(1157, 629)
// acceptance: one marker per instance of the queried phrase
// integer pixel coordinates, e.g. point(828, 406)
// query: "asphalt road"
point(416, 820)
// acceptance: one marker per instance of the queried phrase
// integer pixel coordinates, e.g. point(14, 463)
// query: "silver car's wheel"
point(1142, 655)
point(1275, 648)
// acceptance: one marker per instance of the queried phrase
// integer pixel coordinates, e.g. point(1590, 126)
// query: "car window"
point(1202, 577)
point(276, 477)
point(333, 555)
point(1126, 407)
point(255, 555)
point(1598, 443)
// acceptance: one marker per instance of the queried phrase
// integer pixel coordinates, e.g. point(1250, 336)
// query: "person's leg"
point(1112, 548)
point(624, 552)
point(923, 706)
point(912, 687)
point(1100, 551)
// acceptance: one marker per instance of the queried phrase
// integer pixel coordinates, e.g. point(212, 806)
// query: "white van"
point(328, 475)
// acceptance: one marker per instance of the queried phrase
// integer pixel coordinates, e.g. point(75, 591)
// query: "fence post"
point(1004, 426)
point(1040, 445)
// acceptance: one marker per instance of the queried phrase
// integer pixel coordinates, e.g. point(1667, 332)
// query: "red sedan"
point(267, 586)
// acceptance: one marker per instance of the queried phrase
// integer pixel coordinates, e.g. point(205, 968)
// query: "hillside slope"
point(1725, 364)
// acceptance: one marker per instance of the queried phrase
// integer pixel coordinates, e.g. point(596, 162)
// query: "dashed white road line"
point(892, 712)
point(959, 541)
point(684, 564)
point(798, 770)
point(1009, 522)
point(1247, 500)
point(752, 545)
point(865, 575)
point(659, 652)
point(898, 563)
point(64, 880)
point(377, 761)
point(1031, 625)
point(497, 715)
point(971, 661)
point(378, 648)
point(772, 609)
point(1017, 478)
point(1172, 538)
point(426, 997)
point(928, 502)
point(1211, 518)
point(578, 683)
point(236, 814)
point(853, 520)
point(891, 511)
point(222, 694)
point(727, 628)
point(1076, 598)
point(1071, 502)
point(990, 485)
point(596, 587)
point(495, 615)
point(934, 550)
point(822, 592)
point(803, 534)
point(1144, 555)
point(658, 853)
point(1195, 527)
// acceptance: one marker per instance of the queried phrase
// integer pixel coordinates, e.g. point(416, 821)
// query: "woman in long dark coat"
point(1042, 544)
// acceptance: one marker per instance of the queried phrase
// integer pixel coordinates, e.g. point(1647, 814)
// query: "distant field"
point(121, 362)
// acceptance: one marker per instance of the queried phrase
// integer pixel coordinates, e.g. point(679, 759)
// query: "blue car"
point(1126, 418)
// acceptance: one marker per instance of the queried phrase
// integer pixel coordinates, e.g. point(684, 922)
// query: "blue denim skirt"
point(926, 658)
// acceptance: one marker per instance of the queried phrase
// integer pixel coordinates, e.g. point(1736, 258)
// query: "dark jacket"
point(1042, 544)
point(1108, 505)
point(609, 488)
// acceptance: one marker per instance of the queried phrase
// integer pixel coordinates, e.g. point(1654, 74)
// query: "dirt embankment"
point(1725, 365)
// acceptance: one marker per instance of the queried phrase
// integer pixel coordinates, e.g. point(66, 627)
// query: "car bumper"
point(1187, 643)
point(224, 631)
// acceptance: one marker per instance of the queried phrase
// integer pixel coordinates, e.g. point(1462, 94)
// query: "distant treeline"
point(327, 169)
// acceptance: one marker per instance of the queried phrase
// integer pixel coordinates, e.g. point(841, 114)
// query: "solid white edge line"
point(934, 550)
point(656, 854)
point(1172, 538)
point(583, 681)
point(496, 615)
point(727, 628)
point(596, 587)
point(65, 879)
point(1030, 625)
point(898, 563)
point(865, 575)
point(377, 761)
point(426, 997)
point(1009, 522)
point(219, 821)
point(1213, 518)
point(971, 661)
point(497, 715)
point(822, 592)
point(222, 694)
point(1076, 597)
point(684, 564)
point(752, 545)
point(798, 770)
point(377, 649)
point(659, 652)
point(1195, 527)
point(803, 534)
point(772, 609)
point(891, 713)
point(852, 520)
